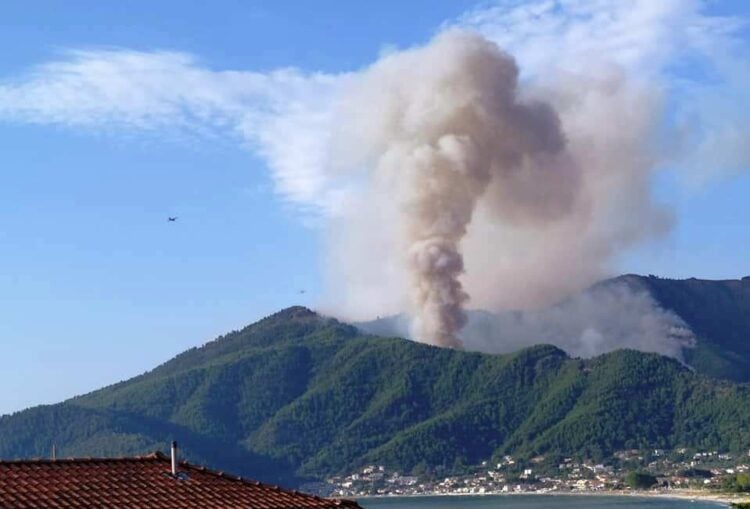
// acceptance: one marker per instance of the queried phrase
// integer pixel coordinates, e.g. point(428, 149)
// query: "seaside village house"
point(143, 482)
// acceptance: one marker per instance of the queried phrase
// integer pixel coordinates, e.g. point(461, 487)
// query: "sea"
point(533, 502)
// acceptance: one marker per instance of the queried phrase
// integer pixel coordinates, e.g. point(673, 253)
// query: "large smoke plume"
point(480, 188)
point(620, 109)
point(443, 127)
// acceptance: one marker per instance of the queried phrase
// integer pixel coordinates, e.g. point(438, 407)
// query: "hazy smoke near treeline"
point(599, 320)
point(478, 189)
point(606, 317)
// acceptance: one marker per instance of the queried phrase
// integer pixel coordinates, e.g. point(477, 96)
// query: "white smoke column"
point(622, 80)
point(437, 126)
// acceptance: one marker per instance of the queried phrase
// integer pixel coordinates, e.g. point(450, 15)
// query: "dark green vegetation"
point(639, 481)
point(718, 313)
point(697, 473)
point(297, 395)
point(739, 483)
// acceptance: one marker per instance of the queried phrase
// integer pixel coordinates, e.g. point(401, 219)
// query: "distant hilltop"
point(298, 396)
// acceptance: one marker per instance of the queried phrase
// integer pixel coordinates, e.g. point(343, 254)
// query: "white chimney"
point(174, 459)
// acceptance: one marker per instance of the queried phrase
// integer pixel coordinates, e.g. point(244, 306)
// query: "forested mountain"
point(718, 313)
point(297, 395)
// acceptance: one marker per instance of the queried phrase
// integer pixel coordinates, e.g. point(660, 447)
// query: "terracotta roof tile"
point(140, 482)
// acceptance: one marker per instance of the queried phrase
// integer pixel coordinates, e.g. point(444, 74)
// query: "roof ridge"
point(154, 456)
point(238, 478)
point(24, 471)
point(87, 459)
point(256, 483)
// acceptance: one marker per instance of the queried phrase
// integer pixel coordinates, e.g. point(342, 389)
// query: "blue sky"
point(96, 286)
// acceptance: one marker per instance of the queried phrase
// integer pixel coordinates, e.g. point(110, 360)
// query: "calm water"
point(532, 502)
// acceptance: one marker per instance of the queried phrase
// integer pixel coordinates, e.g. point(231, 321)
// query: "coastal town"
point(709, 471)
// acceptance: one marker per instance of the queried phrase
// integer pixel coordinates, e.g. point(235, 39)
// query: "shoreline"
point(722, 499)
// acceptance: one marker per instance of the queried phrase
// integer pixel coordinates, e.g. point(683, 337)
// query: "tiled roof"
point(142, 482)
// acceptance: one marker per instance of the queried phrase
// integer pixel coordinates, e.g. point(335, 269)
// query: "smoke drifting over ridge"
point(606, 317)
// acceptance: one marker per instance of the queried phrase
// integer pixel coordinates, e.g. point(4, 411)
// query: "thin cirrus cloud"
point(287, 116)
point(278, 114)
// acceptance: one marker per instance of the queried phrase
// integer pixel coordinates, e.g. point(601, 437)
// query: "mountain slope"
point(298, 395)
point(718, 313)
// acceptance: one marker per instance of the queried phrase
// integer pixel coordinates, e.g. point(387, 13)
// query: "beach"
point(579, 500)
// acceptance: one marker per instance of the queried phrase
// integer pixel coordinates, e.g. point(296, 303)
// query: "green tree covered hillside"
point(297, 396)
point(717, 312)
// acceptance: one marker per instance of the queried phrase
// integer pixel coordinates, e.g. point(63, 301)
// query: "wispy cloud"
point(144, 90)
point(282, 115)
point(285, 115)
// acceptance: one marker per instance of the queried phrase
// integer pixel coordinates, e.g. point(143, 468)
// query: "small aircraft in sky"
point(171, 219)
point(303, 291)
